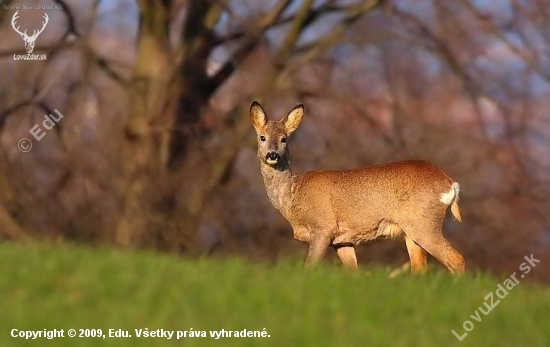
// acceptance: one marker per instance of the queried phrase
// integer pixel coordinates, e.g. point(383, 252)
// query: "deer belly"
point(363, 233)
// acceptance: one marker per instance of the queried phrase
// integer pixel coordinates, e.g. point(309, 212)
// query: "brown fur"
point(344, 208)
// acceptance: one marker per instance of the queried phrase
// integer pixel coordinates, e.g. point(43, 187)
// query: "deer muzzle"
point(272, 158)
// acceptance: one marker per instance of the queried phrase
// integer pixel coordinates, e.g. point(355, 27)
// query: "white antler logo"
point(29, 40)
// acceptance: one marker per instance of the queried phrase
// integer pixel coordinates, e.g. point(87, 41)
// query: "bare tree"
point(168, 158)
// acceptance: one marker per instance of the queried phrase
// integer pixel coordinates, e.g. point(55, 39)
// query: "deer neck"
point(279, 182)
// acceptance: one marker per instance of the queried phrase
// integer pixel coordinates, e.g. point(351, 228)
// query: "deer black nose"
point(273, 156)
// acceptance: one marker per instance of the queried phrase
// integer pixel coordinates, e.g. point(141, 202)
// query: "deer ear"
point(293, 119)
point(257, 116)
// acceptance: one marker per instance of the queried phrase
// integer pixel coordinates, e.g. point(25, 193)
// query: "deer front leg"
point(317, 248)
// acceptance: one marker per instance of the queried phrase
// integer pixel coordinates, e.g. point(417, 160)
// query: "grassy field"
point(71, 287)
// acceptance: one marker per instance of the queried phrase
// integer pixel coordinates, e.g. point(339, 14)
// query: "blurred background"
point(155, 149)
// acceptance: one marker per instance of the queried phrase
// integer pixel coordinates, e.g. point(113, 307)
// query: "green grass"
point(64, 287)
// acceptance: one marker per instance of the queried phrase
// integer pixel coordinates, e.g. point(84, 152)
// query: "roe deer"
point(343, 208)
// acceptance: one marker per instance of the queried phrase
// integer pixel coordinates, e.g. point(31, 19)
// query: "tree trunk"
point(149, 94)
point(9, 227)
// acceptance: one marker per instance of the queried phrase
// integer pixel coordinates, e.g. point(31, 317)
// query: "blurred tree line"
point(155, 149)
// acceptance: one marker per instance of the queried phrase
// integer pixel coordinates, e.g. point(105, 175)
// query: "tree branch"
point(352, 14)
point(294, 33)
point(70, 19)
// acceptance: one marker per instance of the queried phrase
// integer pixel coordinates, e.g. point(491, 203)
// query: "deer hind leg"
point(347, 256)
point(430, 238)
point(447, 255)
point(418, 256)
point(450, 257)
point(444, 252)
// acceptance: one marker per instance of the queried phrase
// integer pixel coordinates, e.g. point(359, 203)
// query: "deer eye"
point(262, 138)
point(283, 140)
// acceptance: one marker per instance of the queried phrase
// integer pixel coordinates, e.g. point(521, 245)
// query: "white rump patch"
point(450, 196)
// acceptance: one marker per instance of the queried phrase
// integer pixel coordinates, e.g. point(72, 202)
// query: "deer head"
point(272, 135)
point(29, 40)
